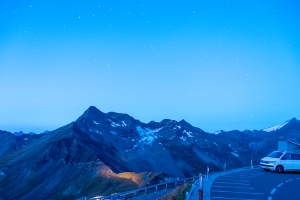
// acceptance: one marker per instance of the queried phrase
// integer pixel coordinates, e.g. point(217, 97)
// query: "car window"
point(275, 154)
point(295, 156)
point(286, 156)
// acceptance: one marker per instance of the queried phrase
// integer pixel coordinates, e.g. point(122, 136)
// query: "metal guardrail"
point(158, 187)
point(145, 190)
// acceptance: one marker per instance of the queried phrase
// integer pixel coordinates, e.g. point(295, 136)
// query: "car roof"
point(293, 151)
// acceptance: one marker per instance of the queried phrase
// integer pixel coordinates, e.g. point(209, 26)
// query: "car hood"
point(270, 159)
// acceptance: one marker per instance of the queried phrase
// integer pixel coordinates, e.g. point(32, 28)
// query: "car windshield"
point(275, 154)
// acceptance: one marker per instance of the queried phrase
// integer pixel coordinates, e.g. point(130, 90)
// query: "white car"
point(281, 161)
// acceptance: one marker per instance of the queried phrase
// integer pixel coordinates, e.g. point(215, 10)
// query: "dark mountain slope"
point(58, 165)
point(10, 142)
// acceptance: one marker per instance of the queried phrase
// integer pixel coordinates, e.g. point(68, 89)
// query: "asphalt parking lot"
point(256, 184)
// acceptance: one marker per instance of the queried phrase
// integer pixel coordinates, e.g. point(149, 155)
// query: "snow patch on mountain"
point(95, 131)
point(276, 128)
point(183, 138)
point(232, 148)
point(147, 135)
point(236, 155)
point(112, 132)
point(113, 124)
point(95, 122)
point(188, 133)
point(218, 132)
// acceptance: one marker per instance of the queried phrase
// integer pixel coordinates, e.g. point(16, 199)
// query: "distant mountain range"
point(30, 133)
point(103, 153)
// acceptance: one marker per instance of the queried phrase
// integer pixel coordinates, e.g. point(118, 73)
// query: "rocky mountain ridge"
point(102, 153)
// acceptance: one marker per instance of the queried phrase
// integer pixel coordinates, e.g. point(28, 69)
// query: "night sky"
point(217, 64)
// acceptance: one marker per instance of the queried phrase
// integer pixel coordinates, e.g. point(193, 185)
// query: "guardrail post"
point(145, 191)
point(166, 186)
point(251, 164)
point(207, 172)
point(135, 194)
point(200, 191)
point(224, 167)
point(155, 189)
point(200, 181)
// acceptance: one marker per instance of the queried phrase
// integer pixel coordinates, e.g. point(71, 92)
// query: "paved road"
point(256, 184)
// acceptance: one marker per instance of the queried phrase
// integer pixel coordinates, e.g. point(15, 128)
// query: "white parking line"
point(231, 198)
point(246, 174)
point(229, 183)
point(232, 177)
point(273, 191)
point(288, 180)
point(247, 171)
point(250, 170)
point(239, 192)
point(236, 176)
point(280, 185)
point(297, 178)
point(233, 174)
point(269, 198)
point(228, 179)
point(234, 187)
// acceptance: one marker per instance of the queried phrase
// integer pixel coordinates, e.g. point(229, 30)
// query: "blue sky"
point(217, 64)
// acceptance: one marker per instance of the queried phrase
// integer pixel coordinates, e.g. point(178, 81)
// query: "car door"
point(287, 162)
point(296, 161)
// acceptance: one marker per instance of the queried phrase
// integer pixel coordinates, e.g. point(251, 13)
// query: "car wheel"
point(279, 169)
point(266, 170)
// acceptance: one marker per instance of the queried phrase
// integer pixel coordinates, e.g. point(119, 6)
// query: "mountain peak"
point(183, 122)
point(287, 123)
point(92, 111)
point(293, 120)
point(18, 133)
point(92, 114)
